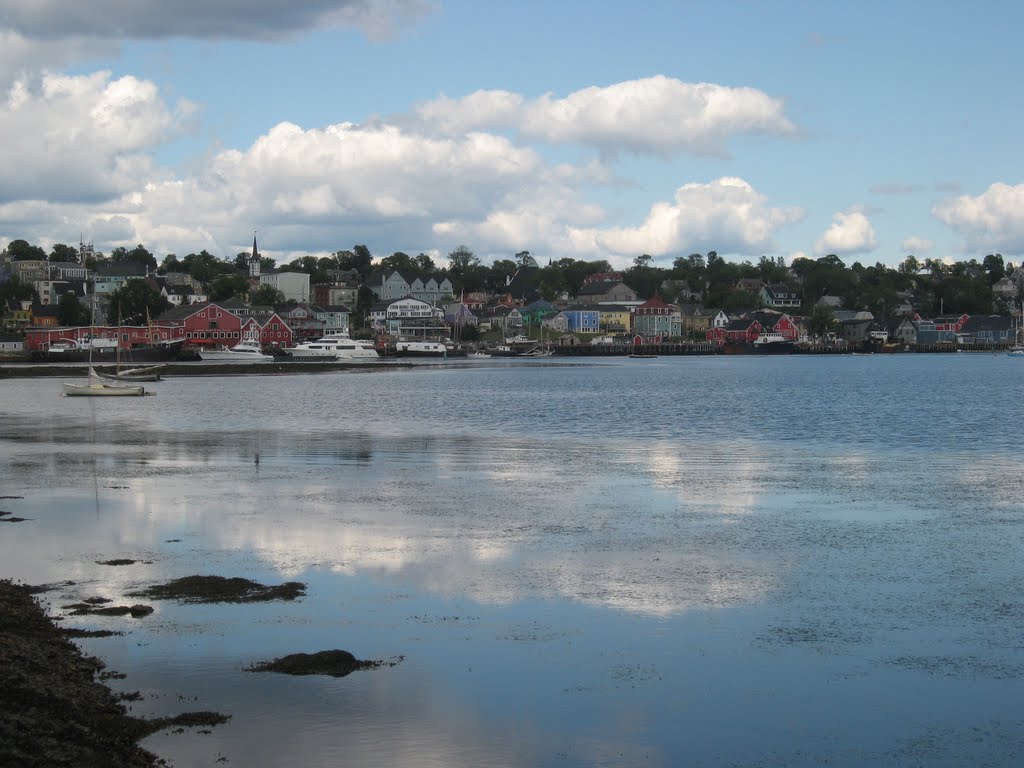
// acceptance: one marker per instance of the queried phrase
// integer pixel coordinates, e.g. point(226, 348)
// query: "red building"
point(128, 336)
point(741, 331)
point(272, 330)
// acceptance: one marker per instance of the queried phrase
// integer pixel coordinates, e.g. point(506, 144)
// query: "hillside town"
point(75, 293)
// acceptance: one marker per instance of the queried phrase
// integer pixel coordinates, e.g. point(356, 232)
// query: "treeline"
point(960, 287)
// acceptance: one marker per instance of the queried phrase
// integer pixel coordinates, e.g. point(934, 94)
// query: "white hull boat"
point(245, 351)
point(333, 346)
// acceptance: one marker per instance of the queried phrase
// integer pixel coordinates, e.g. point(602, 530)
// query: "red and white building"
point(211, 324)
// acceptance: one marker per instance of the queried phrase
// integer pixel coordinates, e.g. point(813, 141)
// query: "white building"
point(293, 285)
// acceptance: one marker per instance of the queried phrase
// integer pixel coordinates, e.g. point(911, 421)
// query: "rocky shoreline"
point(53, 710)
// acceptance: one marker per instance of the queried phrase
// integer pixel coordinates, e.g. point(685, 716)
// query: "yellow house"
point(614, 318)
point(697, 321)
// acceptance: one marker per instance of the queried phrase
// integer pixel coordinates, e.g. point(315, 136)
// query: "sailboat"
point(95, 386)
point(147, 373)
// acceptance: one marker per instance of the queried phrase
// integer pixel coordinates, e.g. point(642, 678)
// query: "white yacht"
point(245, 351)
point(334, 345)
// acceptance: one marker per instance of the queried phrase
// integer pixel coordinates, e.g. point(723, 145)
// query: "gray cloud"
point(203, 19)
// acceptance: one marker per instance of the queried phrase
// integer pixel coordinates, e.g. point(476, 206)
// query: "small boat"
point(245, 351)
point(643, 357)
point(478, 356)
point(148, 373)
point(95, 387)
point(1015, 352)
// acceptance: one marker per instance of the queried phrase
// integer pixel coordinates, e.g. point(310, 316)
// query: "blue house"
point(580, 319)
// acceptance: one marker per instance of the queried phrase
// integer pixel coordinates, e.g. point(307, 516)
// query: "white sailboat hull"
point(99, 389)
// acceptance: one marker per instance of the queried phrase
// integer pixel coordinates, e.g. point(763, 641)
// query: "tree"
point(266, 296)
point(16, 289)
point(132, 301)
point(140, 255)
point(228, 285)
point(64, 253)
point(204, 266)
point(364, 300)
point(398, 262)
point(425, 264)
point(499, 274)
point(464, 268)
point(994, 267)
point(70, 310)
point(909, 266)
point(822, 321)
point(170, 264)
point(22, 250)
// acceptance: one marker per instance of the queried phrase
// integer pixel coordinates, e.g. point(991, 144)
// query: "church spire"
point(254, 260)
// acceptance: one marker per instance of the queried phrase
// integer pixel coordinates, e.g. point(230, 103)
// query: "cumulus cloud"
point(727, 214)
point(320, 190)
point(656, 114)
point(993, 220)
point(206, 19)
point(917, 245)
point(851, 232)
point(79, 138)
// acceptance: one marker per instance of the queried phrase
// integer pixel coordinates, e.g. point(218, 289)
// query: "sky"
point(579, 128)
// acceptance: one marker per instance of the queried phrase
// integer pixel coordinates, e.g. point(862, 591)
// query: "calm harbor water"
point(792, 561)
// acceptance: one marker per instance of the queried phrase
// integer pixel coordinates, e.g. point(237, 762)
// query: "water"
point(709, 562)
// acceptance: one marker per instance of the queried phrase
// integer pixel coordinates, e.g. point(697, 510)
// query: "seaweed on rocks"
point(55, 712)
point(336, 663)
point(220, 589)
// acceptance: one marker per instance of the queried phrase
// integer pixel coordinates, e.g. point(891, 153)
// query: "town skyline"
point(574, 131)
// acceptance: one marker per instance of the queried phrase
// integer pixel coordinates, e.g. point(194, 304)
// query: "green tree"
point(64, 253)
point(131, 302)
point(204, 266)
point(464, 269)
point(359, 258)
point(170, 264)
point(70, 310)
point(822, 321)
point(16, 289)
point(499, 274)
point(22, 250)
point(266, 296)
point(364, 300)
point(425, 264)
point(229, 285)
point(994, 267)
point(398, 261)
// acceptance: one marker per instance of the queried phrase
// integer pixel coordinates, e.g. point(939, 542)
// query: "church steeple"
point(254, 260)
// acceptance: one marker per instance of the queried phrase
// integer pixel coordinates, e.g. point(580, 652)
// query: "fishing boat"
point(773, 343)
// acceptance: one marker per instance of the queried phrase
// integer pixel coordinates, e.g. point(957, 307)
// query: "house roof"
point(596, 289)
point(977, 323)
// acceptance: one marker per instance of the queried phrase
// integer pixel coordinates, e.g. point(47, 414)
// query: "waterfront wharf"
point(620, 350)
